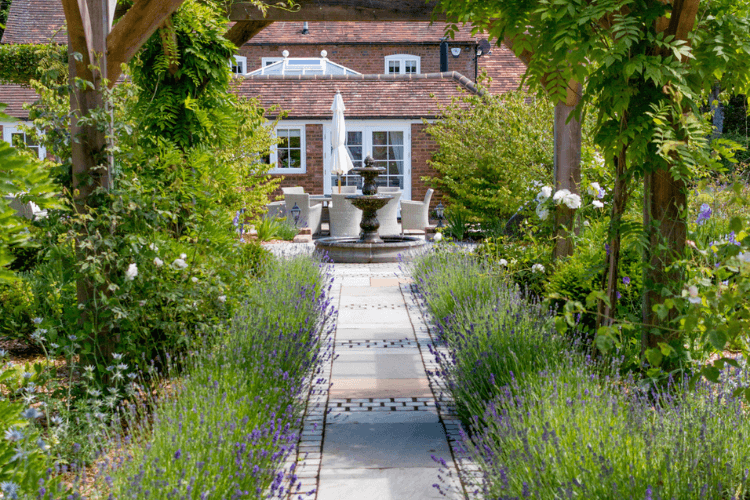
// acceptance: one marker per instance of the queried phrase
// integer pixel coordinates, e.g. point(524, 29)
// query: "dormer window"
point(240, 65)
point(402, 64)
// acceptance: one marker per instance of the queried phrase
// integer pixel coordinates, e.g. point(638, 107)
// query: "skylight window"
point(302, 66)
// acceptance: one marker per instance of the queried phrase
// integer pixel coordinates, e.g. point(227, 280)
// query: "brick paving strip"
point(373, 433)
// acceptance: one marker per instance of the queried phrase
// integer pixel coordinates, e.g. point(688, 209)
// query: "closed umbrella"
point(342, 163)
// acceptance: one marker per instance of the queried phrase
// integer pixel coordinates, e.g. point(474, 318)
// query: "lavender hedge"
point(543, 420)
point(228, 425)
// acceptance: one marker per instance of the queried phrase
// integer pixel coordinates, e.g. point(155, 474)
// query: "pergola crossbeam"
point(341, 10)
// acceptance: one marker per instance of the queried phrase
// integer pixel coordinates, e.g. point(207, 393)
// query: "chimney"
point(443, 55)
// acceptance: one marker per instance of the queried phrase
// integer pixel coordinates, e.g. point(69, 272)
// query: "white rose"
point(194, 279)
point(597, 204)
point(503, 262)
point(572, 201)
point(544, 194)
point(158, 262)
point(222, 298)
point(179, 264)
point(183, 256)
point(131, 273)
point(153, 247)
point(537, 268)
point(438, 237)
point(560, 195)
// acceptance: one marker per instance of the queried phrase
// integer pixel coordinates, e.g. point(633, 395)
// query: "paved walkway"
point(381, 427)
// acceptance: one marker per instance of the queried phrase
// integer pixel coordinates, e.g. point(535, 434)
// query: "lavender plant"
point(229, 423)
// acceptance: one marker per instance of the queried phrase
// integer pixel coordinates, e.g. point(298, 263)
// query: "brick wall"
point(312, 180)
point(368, 59)
point(422, 148)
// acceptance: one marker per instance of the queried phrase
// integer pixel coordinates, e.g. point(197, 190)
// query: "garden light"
point(295, 211)
point(439, 211)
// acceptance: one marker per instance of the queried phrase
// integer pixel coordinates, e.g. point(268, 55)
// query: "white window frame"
point(240, 60)
point(402, 58)
point(265, 61)
point(367, 128)
point(10, 128)
point(303, 154)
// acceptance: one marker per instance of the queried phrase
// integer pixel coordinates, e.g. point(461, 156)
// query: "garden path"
point(381, 426)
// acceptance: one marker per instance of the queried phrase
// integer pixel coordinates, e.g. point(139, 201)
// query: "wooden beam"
point(243, 31)
point(342, 10)
point(135, 27)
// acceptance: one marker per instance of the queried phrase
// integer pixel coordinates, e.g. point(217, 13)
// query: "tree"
point(645, 66)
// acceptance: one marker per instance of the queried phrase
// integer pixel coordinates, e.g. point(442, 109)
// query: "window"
point(386, 145)
point(240, 65)
point(13, 135)
point(288, 156)
point(267, 61)
point(402, 64)
point(300, 66)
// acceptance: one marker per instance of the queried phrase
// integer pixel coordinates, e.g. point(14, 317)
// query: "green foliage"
point(21, 63)
point(526, 262)
point(268, 228)
point(228, 424)
point(25, 177)
point(489, 148)
point(16, 309)
point(736, 116)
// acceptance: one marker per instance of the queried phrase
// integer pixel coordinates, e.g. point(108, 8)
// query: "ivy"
point(22, 63)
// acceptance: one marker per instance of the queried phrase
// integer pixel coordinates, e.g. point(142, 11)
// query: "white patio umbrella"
point(342, 163)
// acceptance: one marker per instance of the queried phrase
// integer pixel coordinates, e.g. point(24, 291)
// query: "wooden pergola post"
point(567, 159)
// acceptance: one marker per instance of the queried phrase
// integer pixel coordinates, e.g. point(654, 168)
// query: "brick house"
point(392, 77)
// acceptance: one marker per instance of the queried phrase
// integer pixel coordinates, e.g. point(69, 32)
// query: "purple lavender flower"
point(704, 214)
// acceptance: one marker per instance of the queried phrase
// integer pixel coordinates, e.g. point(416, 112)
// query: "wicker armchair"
point(415, 215)
point(388, 216)
point(310, 215)
point(345, 217)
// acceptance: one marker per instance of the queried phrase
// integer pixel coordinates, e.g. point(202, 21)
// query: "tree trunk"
point(87, 36)
point(567, 161)
point(664, 199)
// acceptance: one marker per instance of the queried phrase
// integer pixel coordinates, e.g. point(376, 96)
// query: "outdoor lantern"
point(295, 211)
point(439, 211)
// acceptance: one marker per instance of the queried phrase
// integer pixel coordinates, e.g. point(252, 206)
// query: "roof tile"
point(35, 21)
point(15, 96)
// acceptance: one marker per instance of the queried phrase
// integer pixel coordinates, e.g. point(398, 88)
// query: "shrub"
point(16, 309)
point(236, 414)
point(510, 142)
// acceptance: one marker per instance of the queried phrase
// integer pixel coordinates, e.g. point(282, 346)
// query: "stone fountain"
point(370, 246)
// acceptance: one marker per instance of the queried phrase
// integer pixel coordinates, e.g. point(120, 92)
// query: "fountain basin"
point(353, 250)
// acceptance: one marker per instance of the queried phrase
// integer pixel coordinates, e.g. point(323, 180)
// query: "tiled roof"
point(353, 32)
point(15, 96)
point(504, 68)
point(365, 96)
point(35, 21)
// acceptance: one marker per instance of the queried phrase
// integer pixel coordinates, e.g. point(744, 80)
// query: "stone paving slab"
point(381, 484)
point(348, 291)
point(378, 363)
point(384, 445)
point(352, 317)
point(380, 388)
point(427, 416)
point(380, 332)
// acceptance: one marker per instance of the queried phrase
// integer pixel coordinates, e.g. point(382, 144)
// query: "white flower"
point(437, 237)
point(131, 273)
point(559, 195)
point(572, 201)
point(183, 256)
point(593, 189)
point(597, 204)
point(153, 247)
point(194, 279)
point(542, 212)
point(744, 256)
point(586, 223)
point(158, 262)
point(222, 298)
point(537, 268)
point(503, 262)
point(544, 194)
point(693, 295)
point(179, 263)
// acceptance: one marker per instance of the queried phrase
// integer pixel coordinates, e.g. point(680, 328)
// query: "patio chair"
point(293, 190)
point(345, 217)
point(388, 190)
point(310, 215)
point(276, 210)
point(344, 189)
point(388, 217)
point(415, 214)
